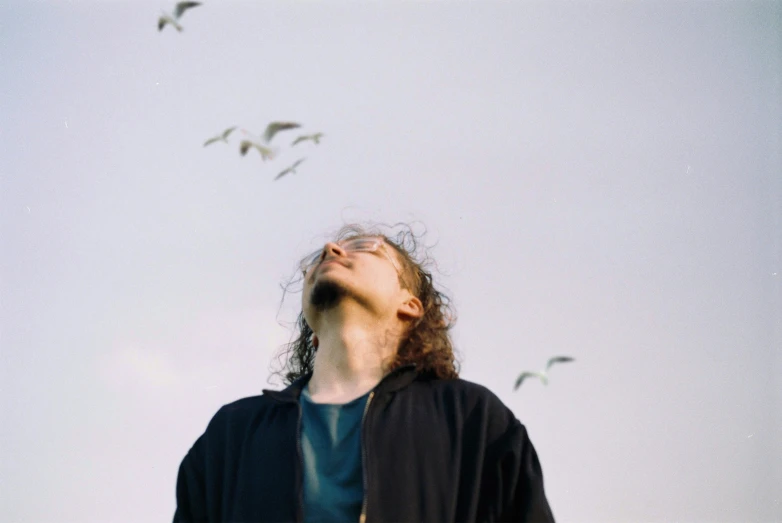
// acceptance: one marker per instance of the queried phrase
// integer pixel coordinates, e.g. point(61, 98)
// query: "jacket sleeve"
point(519, 478)
point(191, 487)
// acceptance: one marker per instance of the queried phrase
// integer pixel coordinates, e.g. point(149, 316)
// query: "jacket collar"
point(394, 380)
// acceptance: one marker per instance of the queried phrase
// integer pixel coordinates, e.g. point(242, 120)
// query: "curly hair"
point(427, 342)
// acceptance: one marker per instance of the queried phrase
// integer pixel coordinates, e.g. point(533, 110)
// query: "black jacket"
point(434, 451)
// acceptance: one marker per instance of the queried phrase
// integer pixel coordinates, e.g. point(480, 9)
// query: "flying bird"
point(543, 375)
point(314, 137)
point(220, 137)
point(179, 10)
point(275, 127)
point(291, 169)
point(266, 152)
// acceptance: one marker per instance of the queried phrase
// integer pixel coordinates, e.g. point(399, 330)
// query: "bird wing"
point(283, 173)
point(181, 7)
point(300, 139)
point(290, 169)
point(161, 23)
point(523, 376)
point(265, 151)
point(211, 141)
point(275, 127)
point(558, 359)
point(228, 131)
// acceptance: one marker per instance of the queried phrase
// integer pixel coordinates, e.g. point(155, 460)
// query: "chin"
point(326, 293)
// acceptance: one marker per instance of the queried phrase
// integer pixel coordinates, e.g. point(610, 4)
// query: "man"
point(375, 425)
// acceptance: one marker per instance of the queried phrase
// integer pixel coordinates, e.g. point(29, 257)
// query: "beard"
point(326, 294)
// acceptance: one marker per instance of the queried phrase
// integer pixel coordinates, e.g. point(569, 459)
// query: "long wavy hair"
point(427, 342)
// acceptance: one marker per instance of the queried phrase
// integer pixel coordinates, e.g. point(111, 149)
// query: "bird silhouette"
point(220, 137)
point(275, 127)
point(314, 137)
point(179, 10)
point(291, 169)
point(543, 375)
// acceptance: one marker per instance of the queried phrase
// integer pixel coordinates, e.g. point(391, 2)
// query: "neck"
point(350, 356)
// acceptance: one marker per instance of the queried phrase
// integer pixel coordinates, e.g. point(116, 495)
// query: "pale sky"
point(601, 180)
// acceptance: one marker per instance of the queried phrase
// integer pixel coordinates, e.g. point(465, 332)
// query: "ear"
point(411, 308)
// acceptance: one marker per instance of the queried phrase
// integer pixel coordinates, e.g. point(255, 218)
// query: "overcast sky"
point(598, 180)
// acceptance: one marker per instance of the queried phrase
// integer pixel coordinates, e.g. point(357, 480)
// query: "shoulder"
point(247, 404)
point(469, 391)
point(468, 399)
point(240, 413)
point(465, 386)
point(502, 428)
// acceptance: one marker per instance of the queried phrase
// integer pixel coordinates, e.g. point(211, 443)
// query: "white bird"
point(266, 153)
point(543, 375)
point(179, 10)
point(314, 137)
point(275, 127)
point(220, 137)
point(291, 169)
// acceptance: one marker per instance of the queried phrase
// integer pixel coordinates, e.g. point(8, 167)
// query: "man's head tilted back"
point(369, 285)
point(371, 423)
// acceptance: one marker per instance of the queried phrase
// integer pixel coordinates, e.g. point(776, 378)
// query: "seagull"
point(275, 127)
point(543, 375)
point(291, 169)
point(314, 137)
point(266, 153)
point(220, 137)
point(179, 10)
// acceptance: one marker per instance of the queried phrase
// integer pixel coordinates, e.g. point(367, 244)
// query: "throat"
point(338, 397)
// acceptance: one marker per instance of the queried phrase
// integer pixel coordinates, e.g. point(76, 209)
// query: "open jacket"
point(433, 451)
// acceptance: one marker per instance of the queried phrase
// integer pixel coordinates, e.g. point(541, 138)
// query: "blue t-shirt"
point(331, 448)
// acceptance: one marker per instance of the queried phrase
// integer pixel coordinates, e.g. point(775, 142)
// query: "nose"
point(332, 250)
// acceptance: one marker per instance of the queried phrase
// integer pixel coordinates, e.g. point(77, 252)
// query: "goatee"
point(326, 294)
